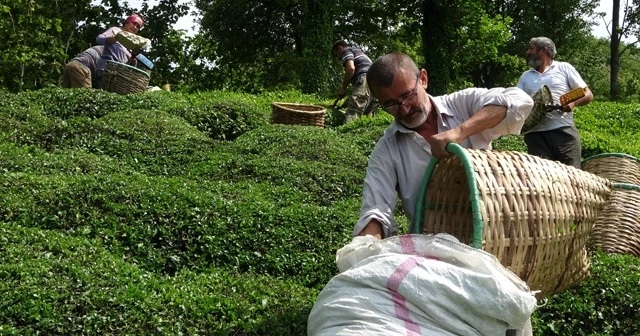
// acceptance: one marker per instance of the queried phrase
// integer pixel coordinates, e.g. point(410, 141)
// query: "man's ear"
point(424, 78)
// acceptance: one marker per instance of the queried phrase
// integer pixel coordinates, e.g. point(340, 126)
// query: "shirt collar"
point(439, 108)
point(553, 64)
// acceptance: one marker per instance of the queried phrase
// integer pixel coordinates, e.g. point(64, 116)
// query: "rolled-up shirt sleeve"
point(379, 195)
point(102, 38)
point(519, 105)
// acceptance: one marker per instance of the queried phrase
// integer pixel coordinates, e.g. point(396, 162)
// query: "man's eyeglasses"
point(411, 98)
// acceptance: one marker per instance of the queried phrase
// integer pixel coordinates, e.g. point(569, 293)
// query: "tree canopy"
point(258, 45)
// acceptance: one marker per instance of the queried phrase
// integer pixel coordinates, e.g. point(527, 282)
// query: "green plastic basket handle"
point(626, 186)
point(474, 194)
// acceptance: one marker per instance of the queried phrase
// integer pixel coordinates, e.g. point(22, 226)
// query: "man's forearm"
point(588, 97)
point(346, 80)
point(488, 117)
point(374, 228)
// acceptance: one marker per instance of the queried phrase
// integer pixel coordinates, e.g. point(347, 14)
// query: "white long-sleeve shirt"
point(399, 159)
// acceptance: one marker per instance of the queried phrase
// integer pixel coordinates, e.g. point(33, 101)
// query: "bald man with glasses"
point(423, 126)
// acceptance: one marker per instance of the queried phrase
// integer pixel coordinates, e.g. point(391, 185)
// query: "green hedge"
point(609, 128)
point(31, 159)
point(607, 303)
point(171, 213)
point(51, 283)
point(169, 224)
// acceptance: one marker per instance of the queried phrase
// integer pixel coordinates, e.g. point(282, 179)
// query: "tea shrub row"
point(169, 213)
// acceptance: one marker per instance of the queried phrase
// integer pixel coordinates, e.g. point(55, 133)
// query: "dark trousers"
point(561, 144)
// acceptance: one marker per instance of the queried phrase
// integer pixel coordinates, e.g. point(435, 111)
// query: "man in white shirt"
point(423, 126)
point(555, 137)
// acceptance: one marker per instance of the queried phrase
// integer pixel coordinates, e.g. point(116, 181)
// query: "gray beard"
point(534, 63)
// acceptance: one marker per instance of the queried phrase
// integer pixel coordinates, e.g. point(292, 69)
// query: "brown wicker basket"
point(617, 229)
point(533, 214)
point(123, 79)
point(297, 114)
point(617, 167)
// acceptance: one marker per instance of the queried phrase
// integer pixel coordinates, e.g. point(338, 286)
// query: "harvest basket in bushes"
point(617, 229)
point(123, 79)
point(297, 114)
point(617, 167)
point(533, 214)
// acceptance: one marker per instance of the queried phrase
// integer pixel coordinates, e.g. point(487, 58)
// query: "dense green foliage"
point(172, 213)
point(256, 45)
point(605, 304)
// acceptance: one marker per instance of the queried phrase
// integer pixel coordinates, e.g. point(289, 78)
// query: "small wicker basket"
point(534, 215)
point(123, 79)
point(617, 229)
point(617, 167)
point(297, 114)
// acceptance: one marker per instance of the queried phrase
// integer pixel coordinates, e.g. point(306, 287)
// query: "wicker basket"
point(619, 168)
point(617, 229)
point(533, 214)
point(297, 114)
point(123, 79)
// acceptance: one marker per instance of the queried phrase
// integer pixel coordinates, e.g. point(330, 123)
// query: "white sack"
point(419, 285)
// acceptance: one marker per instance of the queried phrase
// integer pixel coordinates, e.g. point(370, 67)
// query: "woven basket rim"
point(626, 186)
point(126, 66)
point(290, 107)
point(619, 155)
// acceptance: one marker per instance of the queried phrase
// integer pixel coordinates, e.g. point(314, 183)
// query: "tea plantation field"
point(164, 213)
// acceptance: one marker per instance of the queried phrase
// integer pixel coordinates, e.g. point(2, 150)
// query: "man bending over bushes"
point(423, 126)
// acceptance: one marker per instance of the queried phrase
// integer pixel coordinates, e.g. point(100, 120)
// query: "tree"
point(317, 46)
point(31, 54)
point(256, 44)
point(168, 51)
point(630, 26)
point(458, 38)
point(562, 21)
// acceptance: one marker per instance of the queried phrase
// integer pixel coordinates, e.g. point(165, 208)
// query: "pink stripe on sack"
point(408, 247)
point(406, 244)
point(399, 301)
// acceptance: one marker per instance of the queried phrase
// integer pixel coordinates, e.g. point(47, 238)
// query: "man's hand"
point(439, 142)
point(487, 117)
point(568, 108)
point(374, 228)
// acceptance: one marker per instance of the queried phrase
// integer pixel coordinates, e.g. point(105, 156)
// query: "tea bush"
point(168, 224)
point(191, 214)
point(51, 283)
point(31, 159)
point(609, 128)
point(305, 143)
point(607, 303)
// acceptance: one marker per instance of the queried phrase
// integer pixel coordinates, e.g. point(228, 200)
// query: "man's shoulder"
point(348, 51)
point(528, 72)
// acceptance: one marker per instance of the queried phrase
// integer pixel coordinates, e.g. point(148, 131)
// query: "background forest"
point(256, 45)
